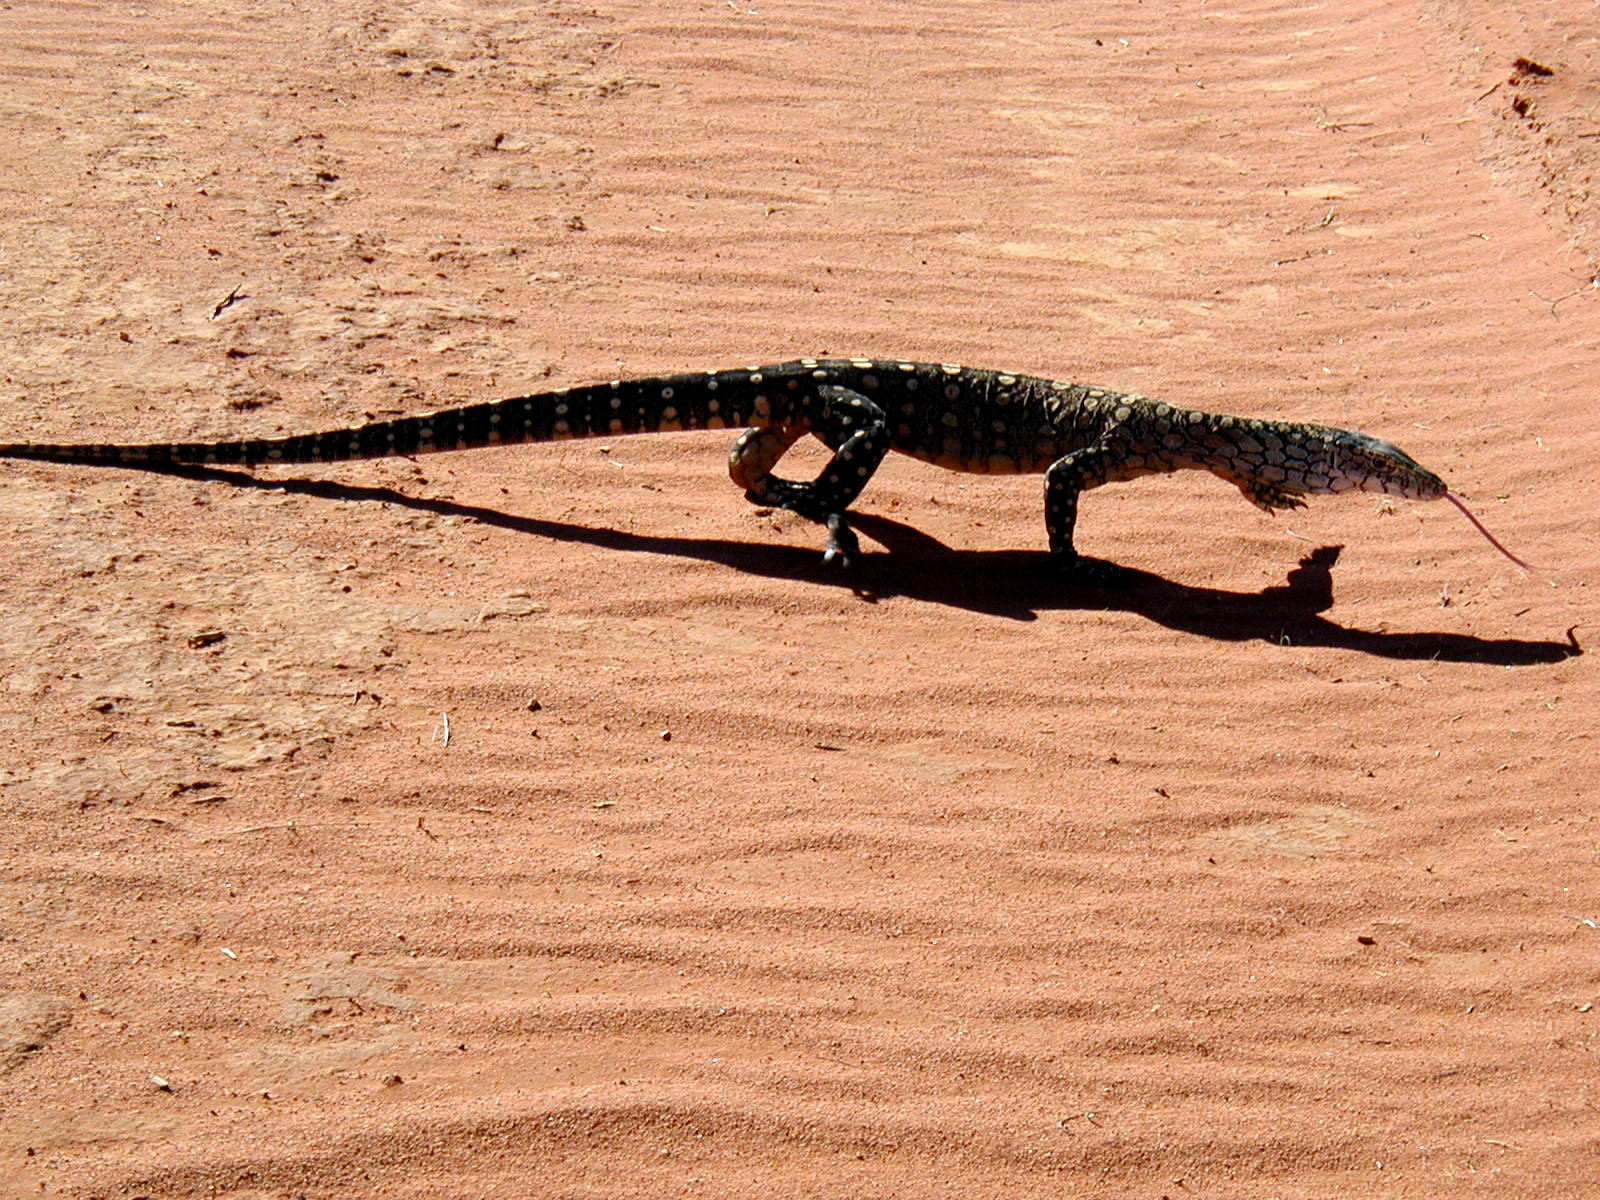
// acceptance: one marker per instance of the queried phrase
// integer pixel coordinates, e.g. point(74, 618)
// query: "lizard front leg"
point(1269, 496)
point(858, 433)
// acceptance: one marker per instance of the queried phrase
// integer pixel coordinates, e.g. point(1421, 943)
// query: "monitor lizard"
point(961, 418)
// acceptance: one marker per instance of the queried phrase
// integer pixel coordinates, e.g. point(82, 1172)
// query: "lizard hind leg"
point(856, 430)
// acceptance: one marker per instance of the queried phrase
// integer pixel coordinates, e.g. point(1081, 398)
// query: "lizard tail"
point(708, 400)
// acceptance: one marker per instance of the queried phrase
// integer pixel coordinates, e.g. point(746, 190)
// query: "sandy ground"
point(1275, 873)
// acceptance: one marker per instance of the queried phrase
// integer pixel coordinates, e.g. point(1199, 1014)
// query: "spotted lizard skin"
point(960, 418)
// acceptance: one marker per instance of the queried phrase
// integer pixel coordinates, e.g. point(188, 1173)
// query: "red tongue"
point(1493, 541)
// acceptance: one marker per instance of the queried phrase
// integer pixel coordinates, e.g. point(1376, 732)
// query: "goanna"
point(961, 418)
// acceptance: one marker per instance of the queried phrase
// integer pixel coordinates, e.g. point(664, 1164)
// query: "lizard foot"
point(1270, 496)
point(781, 493)
point(1082, 571)
point(842, 547)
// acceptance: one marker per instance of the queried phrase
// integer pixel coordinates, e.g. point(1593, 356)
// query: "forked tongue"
point(1493, 541)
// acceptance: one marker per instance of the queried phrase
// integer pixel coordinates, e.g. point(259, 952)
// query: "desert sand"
point(544, 821)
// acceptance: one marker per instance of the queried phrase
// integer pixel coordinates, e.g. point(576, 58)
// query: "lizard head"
point(1373, 465)
point(1356, 461)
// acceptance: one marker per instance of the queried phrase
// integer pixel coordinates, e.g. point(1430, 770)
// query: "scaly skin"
point(961, 418)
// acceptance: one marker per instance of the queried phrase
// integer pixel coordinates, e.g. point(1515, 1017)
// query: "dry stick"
point(288, 825)
point(229, 300)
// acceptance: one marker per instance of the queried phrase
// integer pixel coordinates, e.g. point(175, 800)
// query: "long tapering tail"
point(706, 400)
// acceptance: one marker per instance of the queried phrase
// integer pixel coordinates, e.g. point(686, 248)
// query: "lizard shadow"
point(1011, 584)
point(1018, 584)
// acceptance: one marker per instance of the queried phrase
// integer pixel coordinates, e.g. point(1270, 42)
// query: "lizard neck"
point(1248, 450)
point(1165, 437)
point(1293, 456)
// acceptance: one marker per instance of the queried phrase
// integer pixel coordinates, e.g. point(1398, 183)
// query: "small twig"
point(1341, 126)
point(1283, 262)
point(445, 719)
point(289, 825)
point(229, 300)
point(1577, 291)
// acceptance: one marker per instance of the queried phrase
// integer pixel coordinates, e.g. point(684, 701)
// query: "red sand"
point(1276, 874)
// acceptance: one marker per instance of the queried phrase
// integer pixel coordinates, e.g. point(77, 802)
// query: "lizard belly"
point(997, 458)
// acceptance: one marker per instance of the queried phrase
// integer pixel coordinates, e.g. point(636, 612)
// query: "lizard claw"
point(841, 548)
point(1270, 496)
